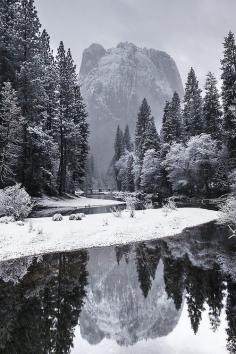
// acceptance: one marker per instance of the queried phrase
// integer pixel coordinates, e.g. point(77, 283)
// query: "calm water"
point(171, 296)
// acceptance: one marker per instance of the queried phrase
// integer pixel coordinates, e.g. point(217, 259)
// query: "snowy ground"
point(95, 230)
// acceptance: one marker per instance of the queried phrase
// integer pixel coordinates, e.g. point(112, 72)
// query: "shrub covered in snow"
point(15, 202)
point(6, 219)
point(169, 206)
point(117, 212)
point(130, 202)
point(72, 217)
point(20, 223)
point(228, 213)
point(75, 217)
point(57, 217)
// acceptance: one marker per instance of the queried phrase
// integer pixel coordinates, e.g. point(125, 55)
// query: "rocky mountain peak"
point(114, 83)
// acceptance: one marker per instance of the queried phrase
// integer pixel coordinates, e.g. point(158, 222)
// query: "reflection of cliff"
point(119, 306)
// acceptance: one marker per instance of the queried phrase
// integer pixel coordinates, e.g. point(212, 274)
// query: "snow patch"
point(95, 231)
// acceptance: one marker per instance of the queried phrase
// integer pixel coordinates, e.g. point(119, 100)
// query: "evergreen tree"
point(172, 121)
point(55, 129)
point(8, 38)
point(78, 142)
point(192, 112)
point(72, 127)
point(165, 124)
point(146, 137)
point(130, 187)
point(144, 116)
point(229, 95)
point(127, 139)
point(50, 82)
point(10, 135)
point(212, 109)
point(32, 96)
point(151, 137)
point(119, 144)
point(176, 118)
point(119, 151)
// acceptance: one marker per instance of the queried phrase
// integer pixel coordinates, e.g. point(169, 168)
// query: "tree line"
point(43, 120)
point(195, 152)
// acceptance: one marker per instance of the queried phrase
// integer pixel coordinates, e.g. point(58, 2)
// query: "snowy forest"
point(44, 130)
point(195, 152)
point(43, 120)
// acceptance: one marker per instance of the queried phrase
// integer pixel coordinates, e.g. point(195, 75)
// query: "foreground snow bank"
point(43, 235)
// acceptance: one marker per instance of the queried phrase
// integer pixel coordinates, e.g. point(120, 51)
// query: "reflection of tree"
point(231, 317)
point(214, 287)
point(195, 295)
point(204, 286)
point(122, 251)
point(44, 307)
point(174, 280)
point(147, 259)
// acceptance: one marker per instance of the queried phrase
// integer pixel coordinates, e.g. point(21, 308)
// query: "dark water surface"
point(172, 296)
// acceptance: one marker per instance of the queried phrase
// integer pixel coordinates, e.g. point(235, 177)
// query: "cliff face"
point(114, 83)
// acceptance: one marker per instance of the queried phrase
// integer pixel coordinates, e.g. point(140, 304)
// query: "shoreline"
point(98, 230)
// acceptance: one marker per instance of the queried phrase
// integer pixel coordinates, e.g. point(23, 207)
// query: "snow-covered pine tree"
point(212, 115)
point(146, 137)
point(119, 151)
point(130, 187)
point(50, 79)
point(63, 92)
point(165, 124)
point(10, 135)
point(229, 96)
point(192, 112)
point(50, 82)
point(119, 144)
point(172, 121)
point(144, 116)
point(151, 137)
point(127, 139)
point(176, 117)
point(72, 127)
point(78, 141)
point(8, 38)
point(32, 96)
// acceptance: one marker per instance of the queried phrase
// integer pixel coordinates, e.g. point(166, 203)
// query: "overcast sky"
point(191, 31)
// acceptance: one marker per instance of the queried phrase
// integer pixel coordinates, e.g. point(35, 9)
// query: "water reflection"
point(120, 296)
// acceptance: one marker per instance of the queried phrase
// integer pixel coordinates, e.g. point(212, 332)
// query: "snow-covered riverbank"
point(43, 235)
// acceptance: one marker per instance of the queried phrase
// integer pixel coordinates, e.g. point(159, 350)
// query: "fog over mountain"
point(113, 84)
